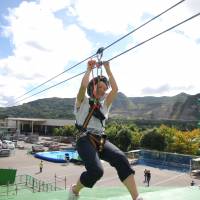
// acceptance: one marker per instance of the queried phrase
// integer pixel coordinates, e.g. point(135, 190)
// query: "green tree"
point(111, 133)
point(153, 140)
point(186, 142)
point(69, 130)
point(169, 134)
point(123, 139)
point(55, 132)
point(135, 140)
point(179, 145)
point(58, 132)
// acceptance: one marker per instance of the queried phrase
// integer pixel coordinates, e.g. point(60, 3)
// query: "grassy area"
point(113, 193)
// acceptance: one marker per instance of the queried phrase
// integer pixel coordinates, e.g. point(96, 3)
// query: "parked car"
point(20, 146)
point(37, 148)
point(4, 152)
point(47, 144)
point(7, 144)
point(54, 147)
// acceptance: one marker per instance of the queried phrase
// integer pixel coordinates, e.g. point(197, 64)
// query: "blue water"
point(57, 156)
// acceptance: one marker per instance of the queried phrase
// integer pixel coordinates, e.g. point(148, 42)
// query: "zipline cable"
point(56, 76)
point(172, 27)
point(145, 23)
point(51, 87)
point(104, 49)
point(196, 15)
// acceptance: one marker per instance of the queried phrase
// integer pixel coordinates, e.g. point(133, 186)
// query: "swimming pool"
point(57, 156)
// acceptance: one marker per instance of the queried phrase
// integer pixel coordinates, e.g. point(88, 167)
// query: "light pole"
point(198, 123)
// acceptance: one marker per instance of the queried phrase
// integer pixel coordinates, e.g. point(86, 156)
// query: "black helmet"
point(93, 82)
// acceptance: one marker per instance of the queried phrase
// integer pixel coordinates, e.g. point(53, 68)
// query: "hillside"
point(179, 107)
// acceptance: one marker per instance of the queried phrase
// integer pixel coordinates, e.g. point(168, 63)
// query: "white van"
point(7, 144)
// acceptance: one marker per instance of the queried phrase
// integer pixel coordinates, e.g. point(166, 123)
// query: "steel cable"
point(104, 50)
point(145, 41)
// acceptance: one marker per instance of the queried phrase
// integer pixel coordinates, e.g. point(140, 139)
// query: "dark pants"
point(148, 180)
point(93, 165)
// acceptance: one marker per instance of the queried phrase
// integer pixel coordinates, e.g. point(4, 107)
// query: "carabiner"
point(100, 53)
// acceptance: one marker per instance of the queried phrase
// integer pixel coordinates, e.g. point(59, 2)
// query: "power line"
point(104, 48)
point(145, 41)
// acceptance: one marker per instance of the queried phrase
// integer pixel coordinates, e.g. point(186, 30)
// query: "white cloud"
point(171, 59)
point(167, 60)
point(52, 5)
point(117, 16)
point(193, 6)
point(107, 16)
point(45, 44)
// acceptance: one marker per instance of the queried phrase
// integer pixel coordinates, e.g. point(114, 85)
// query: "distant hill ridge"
point(179, 107)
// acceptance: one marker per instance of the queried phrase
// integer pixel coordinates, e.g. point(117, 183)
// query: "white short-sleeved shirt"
point(94, 124)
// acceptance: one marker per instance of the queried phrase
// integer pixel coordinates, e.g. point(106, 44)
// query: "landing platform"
point(115, 193)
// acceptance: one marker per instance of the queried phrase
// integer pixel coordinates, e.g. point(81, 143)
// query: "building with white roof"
point(33, 125)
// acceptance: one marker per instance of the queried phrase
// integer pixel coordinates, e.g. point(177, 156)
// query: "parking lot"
point(26, 163)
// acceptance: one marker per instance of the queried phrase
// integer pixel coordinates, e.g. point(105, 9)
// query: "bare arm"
point(84, 83)
point(114, 88)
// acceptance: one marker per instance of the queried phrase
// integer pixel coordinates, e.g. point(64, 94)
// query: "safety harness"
point(97, 141)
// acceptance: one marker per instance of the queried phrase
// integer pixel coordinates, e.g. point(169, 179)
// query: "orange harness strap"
point(98, 143)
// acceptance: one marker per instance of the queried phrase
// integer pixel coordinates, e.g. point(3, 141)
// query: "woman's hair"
point(94, 81)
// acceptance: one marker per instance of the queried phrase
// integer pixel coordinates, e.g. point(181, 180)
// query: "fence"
point(165, 160)
point(24, 182)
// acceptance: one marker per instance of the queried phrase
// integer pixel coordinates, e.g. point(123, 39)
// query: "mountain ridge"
point(179, 107)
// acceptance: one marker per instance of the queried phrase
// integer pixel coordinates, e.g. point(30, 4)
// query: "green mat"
point(7, 176)
point(114, 193)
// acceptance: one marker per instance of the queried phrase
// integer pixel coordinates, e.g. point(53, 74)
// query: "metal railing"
point(24, 182)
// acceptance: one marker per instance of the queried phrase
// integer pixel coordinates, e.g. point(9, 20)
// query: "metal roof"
point(27, 119)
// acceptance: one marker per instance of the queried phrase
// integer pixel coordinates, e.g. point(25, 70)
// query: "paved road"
point(27, 164)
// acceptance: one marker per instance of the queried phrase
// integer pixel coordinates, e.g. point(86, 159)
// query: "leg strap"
point(97, 141)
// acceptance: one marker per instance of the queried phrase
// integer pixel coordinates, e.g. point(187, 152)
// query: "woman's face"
point(100, 89)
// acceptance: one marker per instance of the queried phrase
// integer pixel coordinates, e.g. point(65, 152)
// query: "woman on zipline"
point(92, 144)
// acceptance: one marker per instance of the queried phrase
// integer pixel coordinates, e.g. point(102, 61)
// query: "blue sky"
point(41, 38)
